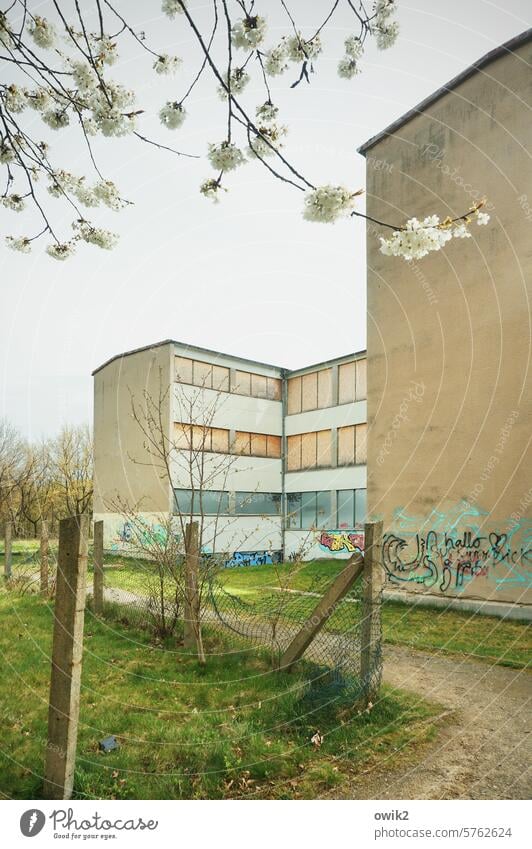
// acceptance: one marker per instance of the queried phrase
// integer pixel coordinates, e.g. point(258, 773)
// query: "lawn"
point(506, 642)
point(233, 729)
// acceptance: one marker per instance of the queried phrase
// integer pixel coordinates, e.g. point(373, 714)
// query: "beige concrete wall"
point(118, 440)
point(448, 344)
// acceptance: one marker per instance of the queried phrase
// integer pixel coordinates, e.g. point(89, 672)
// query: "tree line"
point(46, 480)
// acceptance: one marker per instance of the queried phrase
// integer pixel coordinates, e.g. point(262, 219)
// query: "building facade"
point(273, 460)
point(449, 340)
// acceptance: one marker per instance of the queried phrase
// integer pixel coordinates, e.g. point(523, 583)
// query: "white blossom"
point(56, 118)
point(275, 62)
point(97, 236)
point(300, 50)
point(271, 133)
point(249, 33)
point(225, 156)
point(42, 32)
point(39, 99)
point(83, 75)
point(15, 98)
point(353, 47)
point(267, 112)
point(165, 64)
point(172, 115)
point(237, 82)
point(328, 203)
point(7, 154)
point(106, 50)
point(386, 35)
point(20, 243)
point(348, 68)
point(62, 182)
point(210, 189)
point(5, 32)
point(172, 8)
point(61, 250)
point(460, 231)
point(417, 239)
point(108, 194)
point(482, 218)
point(14, 202)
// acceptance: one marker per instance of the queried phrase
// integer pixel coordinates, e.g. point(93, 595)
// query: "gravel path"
point(483, 750)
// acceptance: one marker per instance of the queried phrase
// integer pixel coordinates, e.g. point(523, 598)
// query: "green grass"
point(232, 729)
point(489, 638)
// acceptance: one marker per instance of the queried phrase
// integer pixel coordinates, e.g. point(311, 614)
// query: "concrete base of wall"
point(504, 610)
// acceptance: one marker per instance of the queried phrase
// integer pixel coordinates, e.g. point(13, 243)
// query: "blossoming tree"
point(60, 70)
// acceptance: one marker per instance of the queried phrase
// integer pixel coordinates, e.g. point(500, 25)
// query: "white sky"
point(247, 276)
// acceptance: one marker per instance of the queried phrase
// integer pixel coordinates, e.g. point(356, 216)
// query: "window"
point(202, 375)
point(294, 395)
point(309, 391)
point(323, 509)
point(243, 383)
point(274, 446)
point(293, 507)
point(346, 382)
point(307, 510)
point(259, 445)
point(294, 453)
point(207, 503)
point(324, 449)
point(309, 450)
point(219, 440)
point(346, 446)
point(220, 378)
point(257, 503)
point(361, 446)
point(274, 389)
point(259, 386)
point(345, 508)
point(216, 439)
point(361, 387)
point(183, 369)
point(325, 388)
point(360, 507)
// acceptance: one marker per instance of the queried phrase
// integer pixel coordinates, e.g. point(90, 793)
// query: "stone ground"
point(483, 749)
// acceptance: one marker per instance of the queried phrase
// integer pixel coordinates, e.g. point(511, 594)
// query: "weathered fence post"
point(44, 559)
point(97, 592)
point(192, 627)
point(8, 554)
point(323, 610)
point(67, 650)
point(371, 624)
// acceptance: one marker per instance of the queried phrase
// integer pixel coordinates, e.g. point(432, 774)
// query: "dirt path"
point(483, 750)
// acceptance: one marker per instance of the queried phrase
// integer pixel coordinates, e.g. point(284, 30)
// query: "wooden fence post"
point(323, 610)
point(8, 554)
point(371, 624)
point(192, 625)
point(44, 559)
point(67, 651)
point(97, 558)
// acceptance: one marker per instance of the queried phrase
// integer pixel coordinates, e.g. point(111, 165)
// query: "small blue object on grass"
point(108, 744)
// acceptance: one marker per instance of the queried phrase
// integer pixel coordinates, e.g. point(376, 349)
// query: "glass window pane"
point(183, 370)
point(257, 503)
point(243, 383)
point(346, 508)
point(183, 501)
point(360, 507)
point(308, 509)
point(212, 503)
point(293, 505)
point(323, 504)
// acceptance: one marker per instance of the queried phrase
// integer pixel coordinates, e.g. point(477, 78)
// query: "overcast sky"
point(247, 276)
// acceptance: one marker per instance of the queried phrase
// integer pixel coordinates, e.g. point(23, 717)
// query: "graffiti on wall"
point(447, 552)
point(336, 541)
point(253, 558)
point(143, 534)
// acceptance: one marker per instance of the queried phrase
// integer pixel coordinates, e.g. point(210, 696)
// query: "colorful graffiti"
point(142, 534)
point(253, 558)
point(335, 541)
point(446, 552)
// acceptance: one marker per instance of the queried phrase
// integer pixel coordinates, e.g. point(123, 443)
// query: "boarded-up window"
point(259, 386)
point(274, 389)
point(243, 383)
point(346, 446)
point(201, 438)
point(361, 443)
point(259, 445)
point(309, 391)
point(294, 453)
point(362, 388)
point(203, 374)
point(274, 446)
point(324, 448)
point(181, 435)
point(308, 450)
point(219, 440)
point(346, 383)
point(294, 395)
point(324, 388)
point(242, 443)
point(183, 370)
point(220, 378)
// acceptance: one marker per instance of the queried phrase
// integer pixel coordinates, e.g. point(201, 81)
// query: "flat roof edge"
point(484, 60)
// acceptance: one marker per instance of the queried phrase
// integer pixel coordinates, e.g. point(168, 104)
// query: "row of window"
point(217, 439)
point(314, 391)
point(317, 449)
point(345, 508)
point(209, 376)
